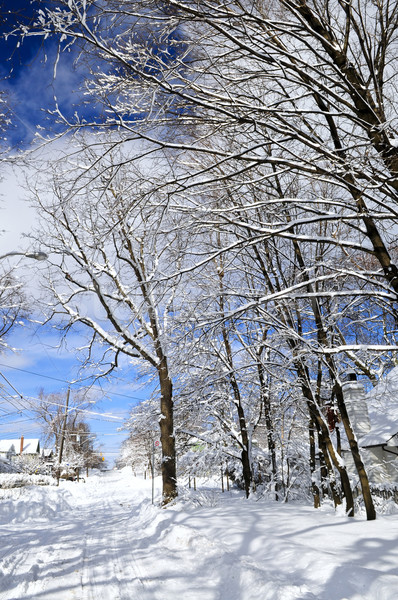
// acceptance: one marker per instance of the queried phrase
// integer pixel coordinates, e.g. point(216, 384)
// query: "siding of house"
point(373, 418)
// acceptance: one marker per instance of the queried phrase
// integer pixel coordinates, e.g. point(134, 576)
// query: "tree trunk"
point(245, 445)
point(329, 472)
point(314, 485)
point(268, 422)
point(247, 474)
point(360, 467)
point(336, 459)
point(169, 475)
point(245, 454)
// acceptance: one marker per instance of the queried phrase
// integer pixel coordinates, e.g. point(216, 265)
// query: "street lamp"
point(35, 255)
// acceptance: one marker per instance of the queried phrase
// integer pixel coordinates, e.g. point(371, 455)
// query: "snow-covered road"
point(61, 546)
point(103, 540)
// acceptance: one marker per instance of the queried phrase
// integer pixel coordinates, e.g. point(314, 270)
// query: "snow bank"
point(103, 539)
point(20, 505)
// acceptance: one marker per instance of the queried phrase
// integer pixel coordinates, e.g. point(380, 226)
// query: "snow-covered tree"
point(304, 87)
point(62, 420)
point(112, 274)
point(13, 305)
point(285, 112)
point(138, 450)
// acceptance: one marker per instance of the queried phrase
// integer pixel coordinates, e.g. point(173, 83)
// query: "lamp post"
point(39, 255)
point(9, 318)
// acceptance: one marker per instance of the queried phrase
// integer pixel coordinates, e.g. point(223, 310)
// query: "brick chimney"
point(357, 408)
point(21, 447)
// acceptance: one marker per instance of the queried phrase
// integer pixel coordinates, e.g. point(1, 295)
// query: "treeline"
point(224, 214)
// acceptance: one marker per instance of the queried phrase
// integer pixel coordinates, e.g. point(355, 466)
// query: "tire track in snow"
point(127, 565)
point(88, 548)
point(109, 569)
point(20, 573)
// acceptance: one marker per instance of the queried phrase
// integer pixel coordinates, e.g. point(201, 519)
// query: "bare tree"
point(245, 95)
point(111, 277)
point(51, 410)
point(300, 87)
point(12, 304)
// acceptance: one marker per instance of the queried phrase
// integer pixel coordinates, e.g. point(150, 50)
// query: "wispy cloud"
point(33, 91)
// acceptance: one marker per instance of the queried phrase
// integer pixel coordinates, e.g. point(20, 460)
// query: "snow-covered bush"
point(15, 480)
point(29, 464)
point(7, 467)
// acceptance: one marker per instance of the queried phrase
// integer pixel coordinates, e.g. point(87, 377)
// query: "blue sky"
point(37, 362)
point(26, 75)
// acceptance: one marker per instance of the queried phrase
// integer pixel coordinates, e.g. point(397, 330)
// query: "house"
point(374, 417)
point(48, 454)
point(48, 458)
point(9, 449)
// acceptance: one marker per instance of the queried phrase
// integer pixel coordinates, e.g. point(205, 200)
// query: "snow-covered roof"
point(9, 446)
point(47, 452)
point(382, 404)
point(30, 446)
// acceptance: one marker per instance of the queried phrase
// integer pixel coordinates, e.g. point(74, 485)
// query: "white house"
point(19, 447)
point(374, 418)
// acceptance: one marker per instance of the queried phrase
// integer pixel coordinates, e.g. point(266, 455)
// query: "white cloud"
point(16, 215)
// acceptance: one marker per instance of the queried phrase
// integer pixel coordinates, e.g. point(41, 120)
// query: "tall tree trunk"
point(328, 472)
point(360, 467)
point(314, 485)
point(246, 449)
point(245, 445)
point(169, 474)
point(264, 392)
point(334, 457)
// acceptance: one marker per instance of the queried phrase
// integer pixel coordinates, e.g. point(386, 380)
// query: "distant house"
point(9, 449)
point(48, 454)
point(374, 418)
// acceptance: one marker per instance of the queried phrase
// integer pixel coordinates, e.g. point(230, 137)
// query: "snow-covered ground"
point(103, 540)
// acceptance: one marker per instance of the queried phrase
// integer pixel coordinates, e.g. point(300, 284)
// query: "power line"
point(64, 381)
point(11, 386)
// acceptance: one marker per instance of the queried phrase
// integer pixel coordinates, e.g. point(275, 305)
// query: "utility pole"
point(61, 444)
